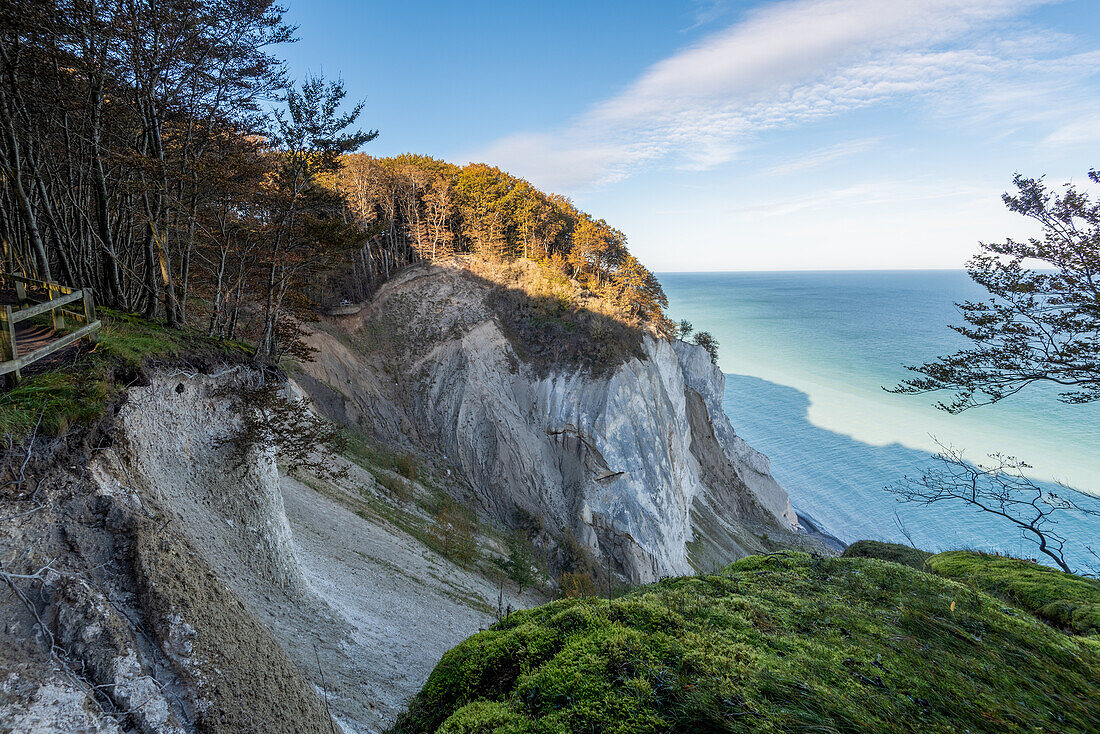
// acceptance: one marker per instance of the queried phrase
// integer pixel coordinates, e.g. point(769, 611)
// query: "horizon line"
point(812, 270)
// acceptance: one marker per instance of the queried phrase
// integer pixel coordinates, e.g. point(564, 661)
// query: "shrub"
point(520, 565)
point(396, 486)
point(707, 341)
point(374, 457)
point(453, 533)
point(895, 552)
point(577, 584)
point(406, 466)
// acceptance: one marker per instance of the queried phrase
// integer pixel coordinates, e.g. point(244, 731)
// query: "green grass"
point(373, 456)
point(895, 552)
point(782, 643)
point(78, 391)
point(1065, 600)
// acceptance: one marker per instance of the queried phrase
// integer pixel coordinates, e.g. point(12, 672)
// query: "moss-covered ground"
point(903, 554)
point(780, 643)
point(1064, 600)
point(76, 387)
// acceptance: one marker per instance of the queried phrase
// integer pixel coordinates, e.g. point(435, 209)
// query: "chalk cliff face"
point(140, 541)
point(187, 585)
point(640, 463)
point(178, 569)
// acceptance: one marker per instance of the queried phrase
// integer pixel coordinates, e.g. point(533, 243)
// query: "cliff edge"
point(557, 415)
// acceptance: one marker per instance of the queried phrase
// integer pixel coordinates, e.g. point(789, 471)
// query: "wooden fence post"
point(10, 347)
point(5, 338)
point(53, 291)
point(89, 306)
point(21, 293)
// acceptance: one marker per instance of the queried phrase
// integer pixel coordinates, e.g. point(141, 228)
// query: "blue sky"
point(739, 135)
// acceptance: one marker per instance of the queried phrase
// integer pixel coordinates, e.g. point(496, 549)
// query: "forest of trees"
point(415, 207)
point(156, 152)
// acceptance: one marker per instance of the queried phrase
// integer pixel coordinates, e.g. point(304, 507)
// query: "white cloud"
point(887, 194)
point(705, 12)
point(823, 156)
point(1082, 131)
point(791, 63)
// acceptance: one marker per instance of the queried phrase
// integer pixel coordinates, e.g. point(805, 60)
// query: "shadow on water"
point(839, 481)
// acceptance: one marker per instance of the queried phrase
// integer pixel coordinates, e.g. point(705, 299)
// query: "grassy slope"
point(1061, 599)
point(779, 643)
point(553, 322)
point(1064, 600)
point(903, 554)
point(78, 390)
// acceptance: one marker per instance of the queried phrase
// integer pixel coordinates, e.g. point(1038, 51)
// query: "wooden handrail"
point(32, 311)
point(11, 362)
point(15, 365)
point(33, 281)
point(44, 284)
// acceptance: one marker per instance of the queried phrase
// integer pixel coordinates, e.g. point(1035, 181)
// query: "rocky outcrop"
point(119, 620)
point(639, 462)
point(172, 580)
point(174, 442)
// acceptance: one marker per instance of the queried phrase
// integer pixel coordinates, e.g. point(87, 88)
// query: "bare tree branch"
point(999, 487)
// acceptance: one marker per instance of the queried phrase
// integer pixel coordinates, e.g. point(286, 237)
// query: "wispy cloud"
point(883, 193)
point(828, 154)
point(1083, 131)
point(705, 12)
point(791, 63)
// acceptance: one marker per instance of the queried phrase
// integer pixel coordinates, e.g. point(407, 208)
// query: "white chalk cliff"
point(640, 463)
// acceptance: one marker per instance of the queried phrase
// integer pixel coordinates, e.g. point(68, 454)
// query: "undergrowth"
point(374, 456)
point(75, 388)
point(896, 552)
point(552, 321)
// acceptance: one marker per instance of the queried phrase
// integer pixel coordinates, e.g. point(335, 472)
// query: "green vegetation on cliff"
point(76, 386)
point(1062, 599)
point(896, 552)
point(414, 207)
point(553, 321)
point(776, 643)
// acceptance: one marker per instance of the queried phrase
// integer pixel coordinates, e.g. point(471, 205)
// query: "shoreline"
point(814, 528)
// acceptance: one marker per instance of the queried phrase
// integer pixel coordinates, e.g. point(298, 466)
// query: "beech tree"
point(113, 118)
point(304, 232)
point(1041, 320)
point(139, 158)
point(416, 207)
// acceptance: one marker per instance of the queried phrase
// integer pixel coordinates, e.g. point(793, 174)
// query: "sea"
point(807, 357)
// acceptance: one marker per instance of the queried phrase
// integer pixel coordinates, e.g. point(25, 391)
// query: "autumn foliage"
point(418, 208)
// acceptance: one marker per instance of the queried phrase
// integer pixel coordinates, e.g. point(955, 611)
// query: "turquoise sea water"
point(806, 355)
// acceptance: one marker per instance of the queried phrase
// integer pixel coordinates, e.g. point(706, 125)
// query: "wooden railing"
point(57, 298)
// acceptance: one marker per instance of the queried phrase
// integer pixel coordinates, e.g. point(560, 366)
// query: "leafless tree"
point(1000, 487)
